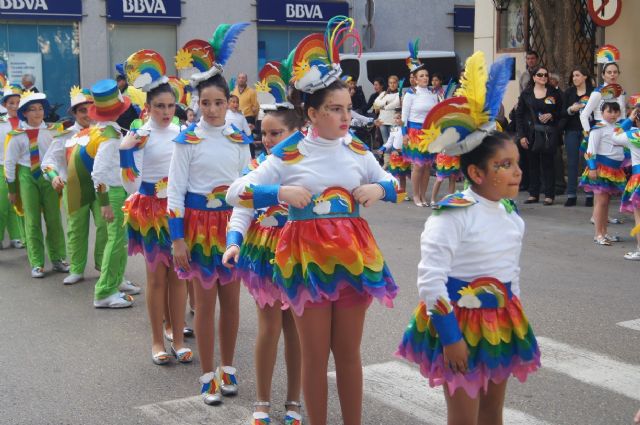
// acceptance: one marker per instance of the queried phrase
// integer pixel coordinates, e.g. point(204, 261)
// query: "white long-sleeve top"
point(395, 139)
point(5, 128)
point(482, 240)
point(623, 139)
point(106, 165)
point(387, 103)
point(56, 158)
point(416, 106)
point(17, 152)
point(324, 163)
point(601, 143)
point(200, 167)
point(237, 119)
point(593, 107)
point(154, 158)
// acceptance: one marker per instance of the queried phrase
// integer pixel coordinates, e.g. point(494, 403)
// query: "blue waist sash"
point(147, 188)
point(414, 125)
point(605, 160)
point(489, 292)
point(199, 202)
point(307, 213)
point(635, 169)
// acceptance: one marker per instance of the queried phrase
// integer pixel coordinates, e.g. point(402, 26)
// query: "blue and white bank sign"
point(167, 11)
point(41, 9)
point(302, 13)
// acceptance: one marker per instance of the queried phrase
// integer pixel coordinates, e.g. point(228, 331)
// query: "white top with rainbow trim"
point(416, 106)
point(106, 165)
point(483, 239)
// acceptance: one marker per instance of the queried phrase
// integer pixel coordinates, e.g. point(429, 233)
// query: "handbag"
point(545, 139)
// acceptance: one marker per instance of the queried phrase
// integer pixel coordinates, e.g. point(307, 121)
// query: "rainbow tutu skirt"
point(611, 178)
point(255, 264)
point(147, 225)
point(447, 166)
point(631, 194)
point(500, 340)
point(412, 150)
point(205, 234)
point(326, 247)
point(399, 165)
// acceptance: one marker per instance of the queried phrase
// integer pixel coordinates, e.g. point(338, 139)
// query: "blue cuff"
point(626, 124)
point(592, 164)
point(383, 149)
point(405, 131)
point(389, 188)
point(176, 228)
point(126, 158)
point(447, 327)
point(265, 195)
point(234, 238)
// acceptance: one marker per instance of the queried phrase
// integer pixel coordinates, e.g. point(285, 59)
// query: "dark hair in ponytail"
point(480, 155)
point(316, 99)
point(215, 81)
point(156, 91)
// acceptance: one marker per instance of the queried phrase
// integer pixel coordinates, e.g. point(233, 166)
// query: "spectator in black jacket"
point(575, 99)
point(537, 124)
point(358, 101)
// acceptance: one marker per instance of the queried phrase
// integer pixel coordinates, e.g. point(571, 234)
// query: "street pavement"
point(64, 362)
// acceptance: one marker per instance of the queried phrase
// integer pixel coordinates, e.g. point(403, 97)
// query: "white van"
point(370, 65)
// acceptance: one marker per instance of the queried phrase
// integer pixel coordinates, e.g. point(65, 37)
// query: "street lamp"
point(501, 5)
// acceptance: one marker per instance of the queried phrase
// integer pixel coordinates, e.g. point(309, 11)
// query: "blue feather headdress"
point(223, 42)
point(459, 124)
point(413, 63)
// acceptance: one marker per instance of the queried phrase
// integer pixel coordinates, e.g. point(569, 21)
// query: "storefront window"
point(125, 39)
point(49, 52)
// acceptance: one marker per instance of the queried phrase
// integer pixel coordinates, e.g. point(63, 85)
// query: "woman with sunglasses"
point(537, 117)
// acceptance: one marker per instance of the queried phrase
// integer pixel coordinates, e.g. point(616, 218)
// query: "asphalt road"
point(64, 362)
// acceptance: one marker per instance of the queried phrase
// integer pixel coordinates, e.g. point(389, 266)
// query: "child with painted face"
point(64, 167)
point(207, 157)
point(604, 175)
point(261, 231)
point(9, 220)
point(469, 272)
point(145, 157)
point(327, 263)
point(26, 147)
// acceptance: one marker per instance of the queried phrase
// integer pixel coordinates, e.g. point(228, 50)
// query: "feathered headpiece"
point(145, 70)
point(3, 82)
point(199, 60)
point(459, 124)
point(610, 92)
point(272, 89)
point(634, 100)
point(79, 96)
point(316, 61)
point(413, 63)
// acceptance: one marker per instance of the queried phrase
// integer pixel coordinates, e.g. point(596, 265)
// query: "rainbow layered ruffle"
point(500, 341)
point(255, 265)
point(447, 166)
point(316, 258)
point(631, 195)
point(412, 149)
point(205, 236)
point(399, 165)
point(148, 229)
point(610, 180)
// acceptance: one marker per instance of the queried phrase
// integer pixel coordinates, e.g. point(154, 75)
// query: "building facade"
point(70, 42)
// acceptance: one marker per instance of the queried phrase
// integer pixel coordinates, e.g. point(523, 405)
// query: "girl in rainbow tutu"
point(145, 155)
point(469, 333)
point(628, 136)
point(260, 230)
point(327, 263)
point(207, 157)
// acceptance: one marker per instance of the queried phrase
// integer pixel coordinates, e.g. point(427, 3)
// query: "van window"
point(447, 67)
point(351, 67)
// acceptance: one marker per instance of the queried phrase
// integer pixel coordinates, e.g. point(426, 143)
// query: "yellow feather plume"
point(474, 87)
